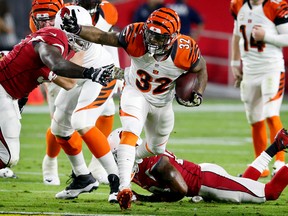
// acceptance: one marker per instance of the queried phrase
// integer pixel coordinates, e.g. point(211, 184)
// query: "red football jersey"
point(190, 172)
point(22, 70)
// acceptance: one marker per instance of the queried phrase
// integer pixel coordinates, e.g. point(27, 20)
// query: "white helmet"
point(83, 18)
point(114, 141)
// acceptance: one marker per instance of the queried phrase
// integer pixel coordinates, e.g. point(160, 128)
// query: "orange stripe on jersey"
point(235, 6)
point(281, 88)
point(185, 52)
point(122, 114)
point(110, 12)
point(131, 38)
point(102, 97)
point(274, 10)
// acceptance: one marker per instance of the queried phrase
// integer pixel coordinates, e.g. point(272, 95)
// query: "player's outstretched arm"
point(52, 58)
point(89, 33)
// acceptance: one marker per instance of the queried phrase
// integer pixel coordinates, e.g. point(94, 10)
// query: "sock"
point(257, 166)
point(96, 142)
point(275, 124)
point(125, 158)
point(259, 136)
point(78, 164)
point(73, 145)
point(277, 184)
point(105, 124)
point(99, 146)
point(52, 147)
point(109, 164)
point(50, 166)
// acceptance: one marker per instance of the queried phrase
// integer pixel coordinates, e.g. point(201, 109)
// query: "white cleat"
point(277, 166)
point(7, 173)
point(50, 171)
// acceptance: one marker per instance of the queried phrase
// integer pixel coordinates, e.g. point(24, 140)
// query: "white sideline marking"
point(176, 108)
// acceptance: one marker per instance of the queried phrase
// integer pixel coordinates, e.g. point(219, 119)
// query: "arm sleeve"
point(280, 39)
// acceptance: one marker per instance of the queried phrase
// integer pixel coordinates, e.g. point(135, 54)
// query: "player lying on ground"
point(170, 179)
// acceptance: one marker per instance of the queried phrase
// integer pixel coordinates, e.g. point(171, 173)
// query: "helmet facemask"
point(157, 43)
point(77, 43)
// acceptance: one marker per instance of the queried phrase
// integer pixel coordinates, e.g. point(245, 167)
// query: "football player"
point(169, 178)
point(74, 120)
point(104, 16)
point(159, 55)
point(260, 32)
point(43, 15)
point(41, 56)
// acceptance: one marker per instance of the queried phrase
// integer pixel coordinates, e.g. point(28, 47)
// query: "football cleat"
point(124, 198)
point(50, 171)
point(277, 166)
point(281, 139)
point(80, 184)
point(114, 187)
point(7, 173)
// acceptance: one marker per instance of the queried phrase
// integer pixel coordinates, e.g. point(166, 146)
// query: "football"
point(185, 85)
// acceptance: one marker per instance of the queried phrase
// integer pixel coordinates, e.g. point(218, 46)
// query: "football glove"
point(196, 100)
point(101, 75)
point(70, 22)
point(118, 73)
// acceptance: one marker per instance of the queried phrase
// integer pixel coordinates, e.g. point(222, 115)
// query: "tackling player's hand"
point(69, 22)
point(101, 75)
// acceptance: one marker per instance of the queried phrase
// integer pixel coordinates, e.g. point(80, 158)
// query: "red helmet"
point(45, 10)
point(161, 30)
point(90, 5)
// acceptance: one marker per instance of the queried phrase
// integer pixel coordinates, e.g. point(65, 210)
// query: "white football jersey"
point(155, 79)
point(258, 57)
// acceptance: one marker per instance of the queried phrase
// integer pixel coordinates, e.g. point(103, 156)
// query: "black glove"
point(101, 75)
point(196, 100)
point(21, 103)
point(69, 22)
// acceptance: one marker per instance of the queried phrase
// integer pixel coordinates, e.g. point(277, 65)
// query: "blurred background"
point(214, 38)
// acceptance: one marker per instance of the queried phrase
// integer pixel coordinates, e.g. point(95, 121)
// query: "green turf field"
point(215, 132)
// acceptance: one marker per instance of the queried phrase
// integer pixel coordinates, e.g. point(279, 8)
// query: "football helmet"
point(83, 18)
point(90, 5)
point(43, 12)
point(161, 29)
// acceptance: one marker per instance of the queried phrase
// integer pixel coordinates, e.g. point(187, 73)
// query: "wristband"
point(235, 63)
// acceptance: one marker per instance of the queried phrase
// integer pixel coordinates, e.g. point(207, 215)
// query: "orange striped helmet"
point(161, 30)
point(45, 10)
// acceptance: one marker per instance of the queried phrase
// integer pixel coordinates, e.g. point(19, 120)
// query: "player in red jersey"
point(169, 178)
point(159, 55)
point(41, 56)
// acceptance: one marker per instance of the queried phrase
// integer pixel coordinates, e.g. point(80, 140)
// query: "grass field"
point(215, 132)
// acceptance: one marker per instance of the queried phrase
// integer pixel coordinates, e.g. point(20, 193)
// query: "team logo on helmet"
point(161, 29)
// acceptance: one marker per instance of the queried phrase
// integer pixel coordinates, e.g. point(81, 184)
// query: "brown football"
point(185, 85)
